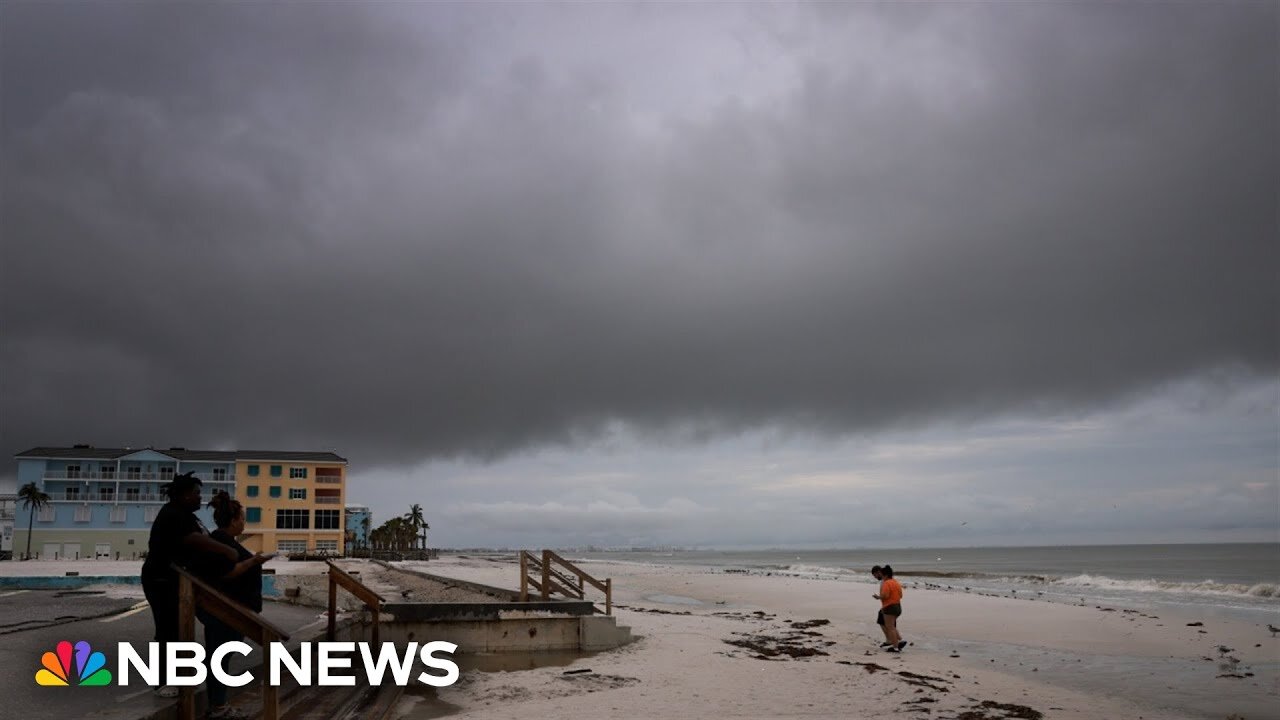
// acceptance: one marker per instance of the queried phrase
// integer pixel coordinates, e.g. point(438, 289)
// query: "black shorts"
point(880, 618)
point(894, 609)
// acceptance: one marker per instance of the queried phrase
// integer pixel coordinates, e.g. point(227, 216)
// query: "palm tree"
point(365, 522)
point(33, 498)
point(419, 523)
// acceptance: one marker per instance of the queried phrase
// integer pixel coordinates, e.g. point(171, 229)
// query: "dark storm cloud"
point(409, 231)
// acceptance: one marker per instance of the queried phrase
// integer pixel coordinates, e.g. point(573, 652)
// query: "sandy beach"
point(713, 643)
point(707, 640)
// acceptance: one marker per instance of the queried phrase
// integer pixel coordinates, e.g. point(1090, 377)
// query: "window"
point(149, 513)
point(297, 493)
point(275, 491)
point(296, 473)
point(131, 494)
point(328, 519)
point(108, 472)
point(133, 472)
point(327, 546)
point(277, 470)
point(46, 514)
point(253, 471)
point(73, 493)
point(106, 494)
point(73, 471)
point(253, 514)
point(291, 546)
point(219, 474)
point(83, 513)
point(293, 519)
point(119, 513)
point(251, 491)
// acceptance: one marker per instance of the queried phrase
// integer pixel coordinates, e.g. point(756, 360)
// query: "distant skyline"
point(810, 275)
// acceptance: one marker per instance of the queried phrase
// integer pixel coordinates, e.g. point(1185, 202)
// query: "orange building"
point(293, 501)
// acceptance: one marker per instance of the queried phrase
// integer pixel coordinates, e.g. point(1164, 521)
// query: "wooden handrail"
point(552, 579)
point(372, 600)
point(194, 592)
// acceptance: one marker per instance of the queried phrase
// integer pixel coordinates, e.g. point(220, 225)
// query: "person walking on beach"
point(240, 580)
point(177, 535)
point(878, 574)
point(890, 597)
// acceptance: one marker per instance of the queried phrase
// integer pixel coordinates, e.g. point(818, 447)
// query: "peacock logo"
point(90, 666)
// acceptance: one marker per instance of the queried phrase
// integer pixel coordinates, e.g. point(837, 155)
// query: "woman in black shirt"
point(241, 581)
point(177, 536)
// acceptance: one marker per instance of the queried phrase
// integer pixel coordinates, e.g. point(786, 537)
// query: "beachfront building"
point(8, 518)
point(359, 520)
point(103, 500)
point(294, 501)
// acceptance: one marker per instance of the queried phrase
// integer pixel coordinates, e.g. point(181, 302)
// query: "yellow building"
point(293, 501)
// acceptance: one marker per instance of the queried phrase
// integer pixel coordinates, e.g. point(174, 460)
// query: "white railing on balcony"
point(329, 479)
point(96, 498)
point(328, 500)
point(133, 477)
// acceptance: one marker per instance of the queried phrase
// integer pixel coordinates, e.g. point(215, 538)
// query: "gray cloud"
point(411, 232)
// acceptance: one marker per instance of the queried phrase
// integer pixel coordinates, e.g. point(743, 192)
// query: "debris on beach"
point(985, 710)
point(595, 682)
point(927, 681)
point(798, 625)
point(769, 647)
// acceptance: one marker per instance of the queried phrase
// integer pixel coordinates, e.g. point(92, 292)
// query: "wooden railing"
point(372, 600)
point(194, 592)
point(568, 579)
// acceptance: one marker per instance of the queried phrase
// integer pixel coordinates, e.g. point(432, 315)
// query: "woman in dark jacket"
point(241, 581)
point(177, 536)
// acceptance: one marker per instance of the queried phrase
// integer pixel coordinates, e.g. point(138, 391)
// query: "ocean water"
point(1239, 580)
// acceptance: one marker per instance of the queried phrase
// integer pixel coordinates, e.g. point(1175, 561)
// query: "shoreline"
point(723, 642)
point(1061, 660)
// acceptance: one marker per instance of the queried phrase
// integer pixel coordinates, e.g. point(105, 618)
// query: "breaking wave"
point(1204, 587)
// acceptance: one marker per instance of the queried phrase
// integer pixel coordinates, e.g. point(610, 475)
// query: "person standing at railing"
point(177, 536)
point(240, 580)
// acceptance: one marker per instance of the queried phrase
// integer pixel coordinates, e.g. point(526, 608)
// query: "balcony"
point(328, 500)
point(95, 498)
point(328, 479)
point(134, 477)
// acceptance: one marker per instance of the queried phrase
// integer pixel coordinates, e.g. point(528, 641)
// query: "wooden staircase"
point(553, 574)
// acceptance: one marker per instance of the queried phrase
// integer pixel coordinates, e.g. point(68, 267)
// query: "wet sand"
point(754, 645)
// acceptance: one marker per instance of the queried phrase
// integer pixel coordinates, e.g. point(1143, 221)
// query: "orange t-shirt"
point(890, 592)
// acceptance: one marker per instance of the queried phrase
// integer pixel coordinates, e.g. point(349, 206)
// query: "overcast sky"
point(810, 275)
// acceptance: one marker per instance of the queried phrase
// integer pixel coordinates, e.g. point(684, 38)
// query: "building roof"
point(289, 455)
point(86, 452)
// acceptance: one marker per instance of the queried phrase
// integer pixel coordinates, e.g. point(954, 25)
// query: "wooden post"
point(270, 693)
point(377, 623)
point(333, 605)
point(524, 576)
point(608, 596)
point(546, 574)
point(186, 633)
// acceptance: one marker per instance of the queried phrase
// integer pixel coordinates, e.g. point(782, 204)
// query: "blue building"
point(359, 523)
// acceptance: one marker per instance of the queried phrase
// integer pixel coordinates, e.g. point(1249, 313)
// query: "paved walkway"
point(33, 621)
